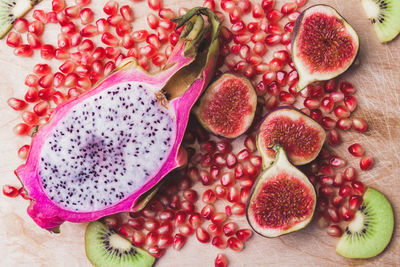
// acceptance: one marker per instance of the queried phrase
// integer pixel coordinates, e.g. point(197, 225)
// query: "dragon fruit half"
point(102, 151)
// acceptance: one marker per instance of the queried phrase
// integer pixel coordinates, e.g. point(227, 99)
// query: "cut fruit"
point(228, 106)
point(10, 10)
point(371, 230)
point(324, 45)
point(384, 16)
point(300, 136)
point(105, 248)
point(283, 199)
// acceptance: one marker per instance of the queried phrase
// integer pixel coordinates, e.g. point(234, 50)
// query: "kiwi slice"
point(385, 16)
point(106, 248)
point(371, 230)
point(10, 10)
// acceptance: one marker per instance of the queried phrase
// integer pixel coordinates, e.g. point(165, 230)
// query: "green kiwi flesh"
point(371, 230)
point(10, 10)
point(384, 16)
point(106, 248)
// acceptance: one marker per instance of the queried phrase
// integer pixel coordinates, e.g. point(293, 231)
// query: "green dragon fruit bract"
point(102, 151)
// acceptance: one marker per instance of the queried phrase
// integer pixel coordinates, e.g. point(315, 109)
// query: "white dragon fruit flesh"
point(103, 150)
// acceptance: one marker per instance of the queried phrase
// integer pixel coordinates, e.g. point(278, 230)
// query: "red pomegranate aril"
point(334, 230)
point(336, 96)
point(187, 206)
point(207, 212)
point(111, 8)
point(260, 49)
point(112, 52)
point(126, 230)
point(341, 112)
point(327, 104)
point(72, 11)
point(218, 218)
point(185, 229)
point(360, 125)
point(136, 223)
point(23, 151)
point(238, 209)
point(288, 8)
point(333, 137)
point(243, 155)
point(347, 88)
point(214, 229)
point(337, 201)
point(86, 16)
point(219, 242)
point(235, 244)
point(36, 27)
point(165, 228)
point(68, 28)
point(258, 11)
point(366, 163)
point(97, 67)
point(45, 94)
point(21, 129)
point(220, 191)
point(86, 45)
point(331, 85)
point(127, 13)
point(233, 195)
point(281, 77)
point(109, 39)
point(244, 234)
point(115, 20)
point(235, 15)
point(23, 51)
point(273, 39)
point(82, 2)
point(275, 28)
point(326, 190)
point(16, 104)
point(138, 238)
point(344, 123)
point(33, 40)
point(21, 25)
point(326, 180)
point(202, 235)
point(154, 4)
point(358, 186)
point(274, 15)
point(333, 214)
point(219, 159)
point(73, 92)
point(47, 51)
point(90, 31)
point(227, 179)
point(336, 161)
point(164, 241)
point(338, 179)
point(350, 174)
point(356, 150)
point(238, 27)
point(195, 220)
point(71, 80)
point(230, 228)
point(322, 204)
point(67, 67)
point(13, 39)
point(289, 27)
point(156, 251)
point(151, 239)
point(350, 103)
point(62, 18)
point(221, 260)
point(190, 195)
point(179, 241)
point(328, 123)
point(208, 196)
point(345, 190)
point(228, 210)
point(241, 38)
point(355, 202)
point(346, 214)
point(102, 25)
point(46, 80)
point(312, 103)
point(10, 191)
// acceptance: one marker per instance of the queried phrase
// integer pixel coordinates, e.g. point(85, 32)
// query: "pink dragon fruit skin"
point(47, 212)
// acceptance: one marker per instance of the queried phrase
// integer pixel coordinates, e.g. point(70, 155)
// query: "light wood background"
point(23, 243)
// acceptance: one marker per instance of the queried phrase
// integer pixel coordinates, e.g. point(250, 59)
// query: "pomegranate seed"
point(23, 51)
point(46, 80)
point(21, 129)
point(90, 31)
point(289, 26)
point(235, 15)
point(243, 155)
point(33, 41)
point(123, 28)
point(337, 201)
point(235, 244)
point(221, 260)
point(187, 206)
point(350, 174)
point(356, 150)
point(230, 228)
point(72, 11)
point(32, 95)
point(219, 159)
point(29, 117)
point(73, 92)
point(47, 51)
point(165, 228)
point(21, 25)
point(36, 27)
point(154, 4)
point(326, 190)
point(355, 202)
point(167, 25)
point(341, 112)
point(52, 17)
point(238, 27)
point(336, 161)
point(218, 218)
point(228, 6)
point(327, 104)
point(150, 224)
point(328, 123)
point(136, 223)
point(62, 18)
point(274, 15)
point(336, 96)
point(233, 194)
point(164, 241)
point(293, 16)
point(360, 125)
point(207, 212)
point(208, 196)
point(75, 39)
point(333, 137)
point(275, 28)
point(338, 179)
point(358, 186)
point(16, 104)
point(127, 13)
point(126, 230)
point(347, 88)
point(23, 151)
point(288, 8)
point(13, 39)
point(102, 25)
point(185, 229)
point(86, 16)
point(10, 191)
point(312, 103)
point(366, 163)
point(333, 214)
point(156, 251)
point(111, 8)
point(331, 86)
point(82, 2)
point(350, 103)
point(344, 123)
point(71, 79)
point(260, 49)
point(214, 229)
point(202, 235)
point(219, 242)
point(40, 15)
point(334, 230)
point(258, 37)
point(345, 191)
point(195, 220)
point(231, 160)
point(346, 214)
point(258, 11)
point(67, 67)
point(238, 209)
point(326, 180)
point(273, 39)
point(322, 204)
point(244, 234)
point(179, 241)
point(109, 39)
point(227, 179)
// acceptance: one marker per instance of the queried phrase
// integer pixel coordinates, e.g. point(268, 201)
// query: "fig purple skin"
point(324, 45)
point(300, 136)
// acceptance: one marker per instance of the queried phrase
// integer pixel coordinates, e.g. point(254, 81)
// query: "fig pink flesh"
point(228, 108)
point(282, 202)
point(294, 135)
point(322, 32)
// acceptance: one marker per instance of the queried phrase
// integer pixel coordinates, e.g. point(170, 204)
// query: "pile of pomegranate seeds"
point(258, 49)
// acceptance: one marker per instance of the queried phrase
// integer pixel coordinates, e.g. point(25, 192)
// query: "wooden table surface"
point(23, 243)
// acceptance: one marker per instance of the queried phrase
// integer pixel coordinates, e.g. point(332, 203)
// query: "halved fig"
point(227, 107)
point(300, 136)
point(282, 199)
point(324, 45)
